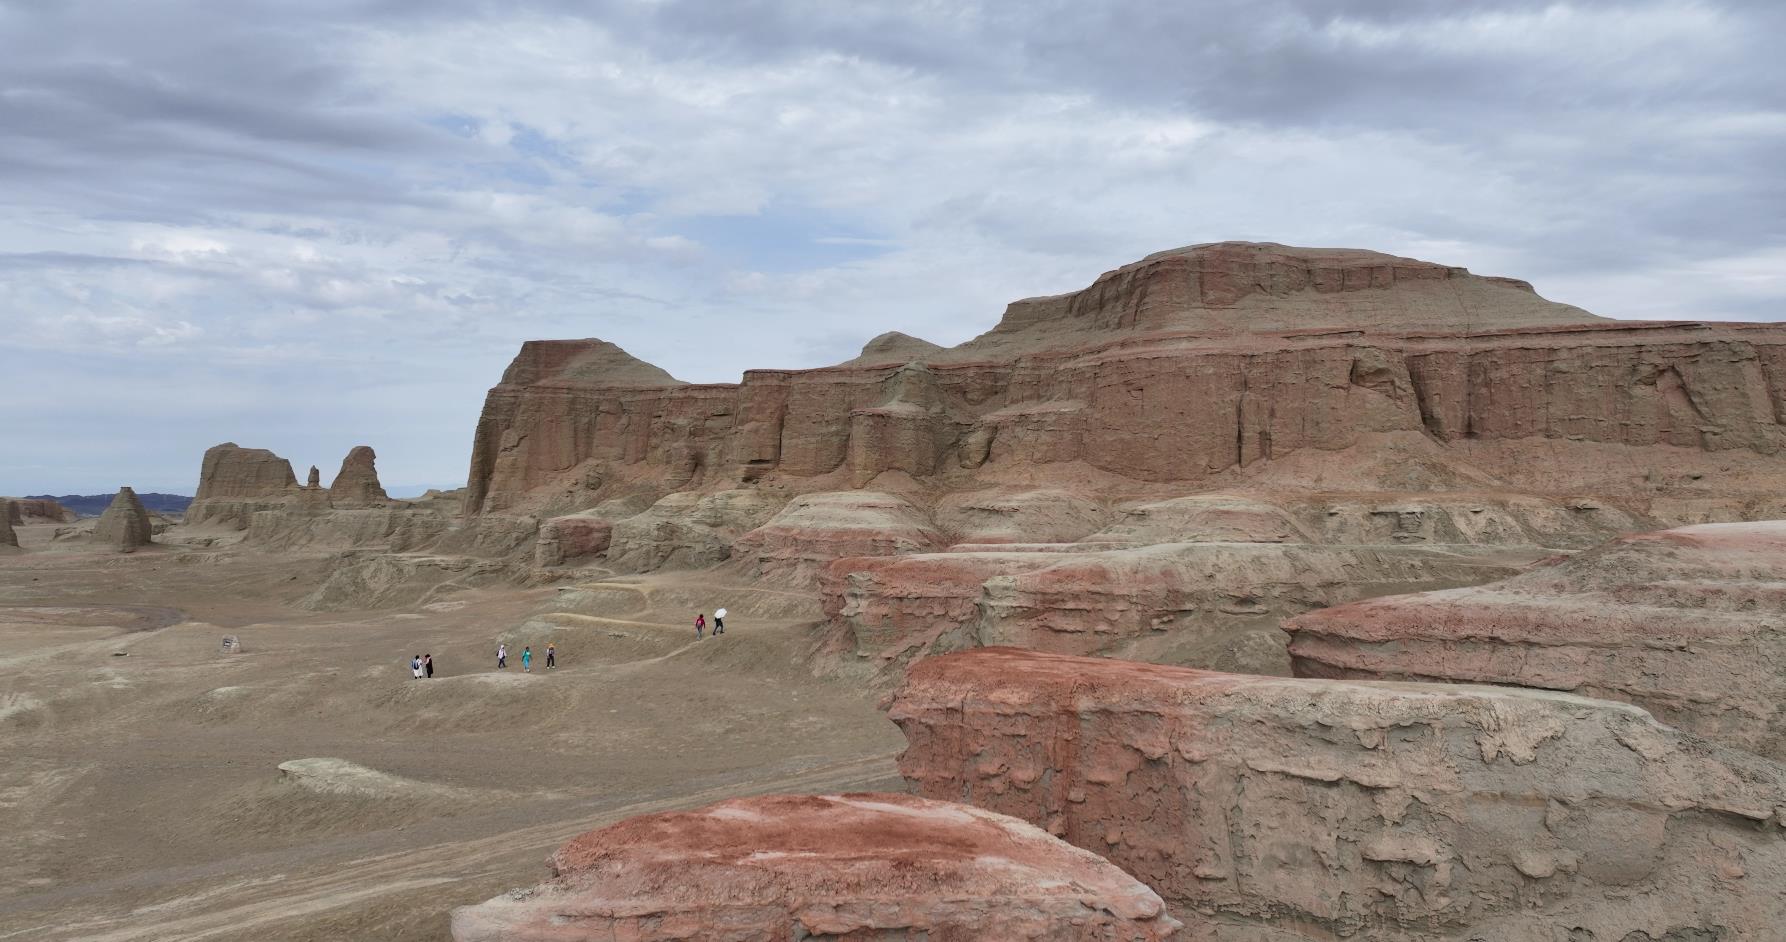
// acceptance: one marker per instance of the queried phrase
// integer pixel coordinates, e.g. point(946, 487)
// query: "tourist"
point(700, 625)
point(428, 665)
point(502, 656)
point(527, 659)
point(551, 655)
point(415, 667)
point(719, 622)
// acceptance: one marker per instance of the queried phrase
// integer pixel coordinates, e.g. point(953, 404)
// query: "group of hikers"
point(422, 665)
point(502, 656)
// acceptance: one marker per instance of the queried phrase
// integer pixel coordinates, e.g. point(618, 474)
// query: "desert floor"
point(140, 789)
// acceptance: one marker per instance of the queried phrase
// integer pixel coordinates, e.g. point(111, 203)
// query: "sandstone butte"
point(124, 525)
point(845, 867)
point(1687, 623)
point(1273, 809)
point(1191, 368)
point(356, 484)
point(235, 483)
point(37, 510)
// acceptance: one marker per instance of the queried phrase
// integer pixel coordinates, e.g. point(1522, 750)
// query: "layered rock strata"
point(38, 510)
point(858, 867)
point(1193, 365)
point(1271, 810)
point(125, 525)
point(234, 482)
point(1209, 604)
point(815, 529)
point(1688, 623)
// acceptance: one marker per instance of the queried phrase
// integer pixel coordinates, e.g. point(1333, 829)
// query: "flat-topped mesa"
point(231, 471)
point(1188, 366)
point(1230, 287)
point(1689, 624)
point(858, 867)
point(235, 482)
point(1266, 809)
point(125, 525)
point(356, 485)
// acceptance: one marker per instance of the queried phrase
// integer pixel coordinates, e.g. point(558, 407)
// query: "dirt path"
point(248, 908)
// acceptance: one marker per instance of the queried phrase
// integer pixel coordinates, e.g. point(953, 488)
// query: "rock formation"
point(1192, 368)
point(1207, 604)
point(857, 867)
point(37, 510)
point(315, 478)
point(125, 525)
point(234, 482)
point(1688, 623)
point(688, 530)
point(1272, 810)
point(7, 511)
point(356, 485)
point(815, 529)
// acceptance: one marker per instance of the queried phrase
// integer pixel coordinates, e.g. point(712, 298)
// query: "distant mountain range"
point(92, 505)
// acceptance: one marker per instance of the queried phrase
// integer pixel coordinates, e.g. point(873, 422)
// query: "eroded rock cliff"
point(1191, 367)
point(1271, 810)
point(1688, 623)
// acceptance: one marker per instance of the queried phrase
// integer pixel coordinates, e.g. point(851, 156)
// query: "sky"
point(306, 226)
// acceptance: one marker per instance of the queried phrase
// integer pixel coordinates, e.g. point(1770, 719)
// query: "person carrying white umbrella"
point(719, 622)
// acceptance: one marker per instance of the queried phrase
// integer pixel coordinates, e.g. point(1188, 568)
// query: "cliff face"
point(1269, 810)
point(1189, 366)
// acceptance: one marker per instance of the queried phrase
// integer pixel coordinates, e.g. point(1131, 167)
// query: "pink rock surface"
point(568, 538)
point(1273, 809)
point(845, 867)
point(1688, 623)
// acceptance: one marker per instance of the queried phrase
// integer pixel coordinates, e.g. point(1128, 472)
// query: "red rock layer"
point(1271, 810)
point(1688, 623)
point(1187, 366)
point(846, 867)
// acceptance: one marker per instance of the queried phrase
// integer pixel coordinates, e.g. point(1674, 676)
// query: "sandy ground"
point(140, 789)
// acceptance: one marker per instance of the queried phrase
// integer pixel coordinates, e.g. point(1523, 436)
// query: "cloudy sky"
point(303, 226)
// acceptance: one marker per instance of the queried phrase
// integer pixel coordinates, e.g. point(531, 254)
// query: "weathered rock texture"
point(850, 867)
point(1196, 365)
point(125, 525)
point(1271, 810)
point(816, 529)
point(234, 482)
point(356, 485)
point(1208, 604)
point(688, 530)
point(38, 510)
point(7, 512)
point(1688, 623)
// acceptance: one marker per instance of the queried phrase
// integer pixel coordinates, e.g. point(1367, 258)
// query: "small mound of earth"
point(860, 867)
point(329, 796)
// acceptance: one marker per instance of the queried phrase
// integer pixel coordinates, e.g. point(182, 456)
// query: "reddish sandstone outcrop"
point(572, 537)
point(1272, 810)
point(1687, 623)
point(1192, 365)
point(356, 484)
point(846, 867)
point(124, 525)
point(813, 530)
point(1209, 604)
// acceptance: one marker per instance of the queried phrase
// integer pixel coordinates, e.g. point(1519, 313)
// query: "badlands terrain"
point(1252, 593)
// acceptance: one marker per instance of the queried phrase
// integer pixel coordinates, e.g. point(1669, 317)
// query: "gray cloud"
point(303, 226)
